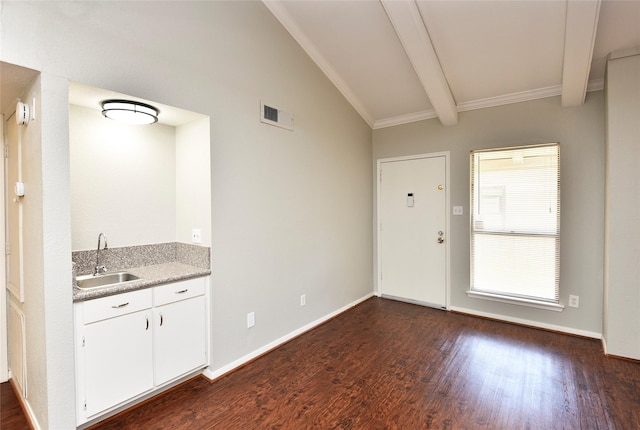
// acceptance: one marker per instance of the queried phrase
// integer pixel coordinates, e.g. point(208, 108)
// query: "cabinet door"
point(118, 360)
point(179, 338)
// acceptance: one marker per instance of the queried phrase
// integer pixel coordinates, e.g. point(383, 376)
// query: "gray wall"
point(622, 254)
point(290, 211)
point(580, 132)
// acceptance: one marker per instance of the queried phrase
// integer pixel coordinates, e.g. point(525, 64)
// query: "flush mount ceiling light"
point(129, 111)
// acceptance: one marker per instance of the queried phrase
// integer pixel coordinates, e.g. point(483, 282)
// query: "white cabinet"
point(117, 360)
point(179, 329)
point(130, 344)
point(115, 348)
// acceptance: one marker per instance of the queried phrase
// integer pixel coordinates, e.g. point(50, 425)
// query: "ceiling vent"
point(272, 115)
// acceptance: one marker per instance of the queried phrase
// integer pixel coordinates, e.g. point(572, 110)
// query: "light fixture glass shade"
point(129, 112)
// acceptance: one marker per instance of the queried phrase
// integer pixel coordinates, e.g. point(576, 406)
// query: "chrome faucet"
point(100, 268)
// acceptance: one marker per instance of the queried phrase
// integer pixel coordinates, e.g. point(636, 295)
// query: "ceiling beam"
point(579, 40)
point(409, 26)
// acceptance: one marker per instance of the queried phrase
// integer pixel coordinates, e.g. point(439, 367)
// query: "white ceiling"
point(398, 61)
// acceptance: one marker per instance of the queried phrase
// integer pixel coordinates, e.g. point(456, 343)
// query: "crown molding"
point(277, 8)
point(279, 11)
point(595, 85)
point(622, 53)
point(506, 99)
point(405, 119)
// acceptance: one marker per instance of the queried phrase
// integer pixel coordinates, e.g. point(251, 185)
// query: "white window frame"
point(503, 296)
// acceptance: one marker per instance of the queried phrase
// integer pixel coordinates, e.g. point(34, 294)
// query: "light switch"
point(457, 210)
point(251, 319)
point(410, 200)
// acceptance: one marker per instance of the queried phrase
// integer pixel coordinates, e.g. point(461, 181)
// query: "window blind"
point(515, 225)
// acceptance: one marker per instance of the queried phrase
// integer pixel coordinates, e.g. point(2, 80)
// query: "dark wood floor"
point(391, 365)
point(11, 415)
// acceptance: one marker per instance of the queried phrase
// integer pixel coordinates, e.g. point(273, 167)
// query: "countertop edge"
point(151, 276)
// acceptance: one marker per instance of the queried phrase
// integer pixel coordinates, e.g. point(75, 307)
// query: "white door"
point(412, 238)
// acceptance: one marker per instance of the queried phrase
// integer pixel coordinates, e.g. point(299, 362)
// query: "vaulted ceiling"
point(399, 61)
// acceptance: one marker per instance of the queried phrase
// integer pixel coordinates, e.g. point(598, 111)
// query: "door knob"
point(441, 240)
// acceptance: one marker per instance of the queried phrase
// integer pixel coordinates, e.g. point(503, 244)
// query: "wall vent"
point(273, 115)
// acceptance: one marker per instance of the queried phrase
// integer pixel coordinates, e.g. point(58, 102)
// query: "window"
point(515, 225)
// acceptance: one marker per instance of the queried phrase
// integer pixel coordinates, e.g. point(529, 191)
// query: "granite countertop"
point(150, 276)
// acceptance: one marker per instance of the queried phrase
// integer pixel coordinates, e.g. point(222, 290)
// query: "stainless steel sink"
point(94, 281)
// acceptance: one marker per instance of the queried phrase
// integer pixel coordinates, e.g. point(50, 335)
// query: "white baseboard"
point(216, 373)
point(32, 416)
point(522, 321)
point(26, 407)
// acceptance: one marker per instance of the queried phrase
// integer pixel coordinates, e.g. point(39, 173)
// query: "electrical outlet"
point(303, 300)
point(458, 210)
point(196, 235)
point(574, 301)
point(251, 319)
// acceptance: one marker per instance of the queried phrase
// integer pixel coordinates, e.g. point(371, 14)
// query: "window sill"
point(516, 301)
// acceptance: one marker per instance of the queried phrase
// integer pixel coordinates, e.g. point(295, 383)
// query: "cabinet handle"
point(147, 323)
point(121, 305)
point(161, 320)
point(182, 291)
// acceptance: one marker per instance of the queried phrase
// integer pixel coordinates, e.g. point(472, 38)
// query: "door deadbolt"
point(440, 236)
